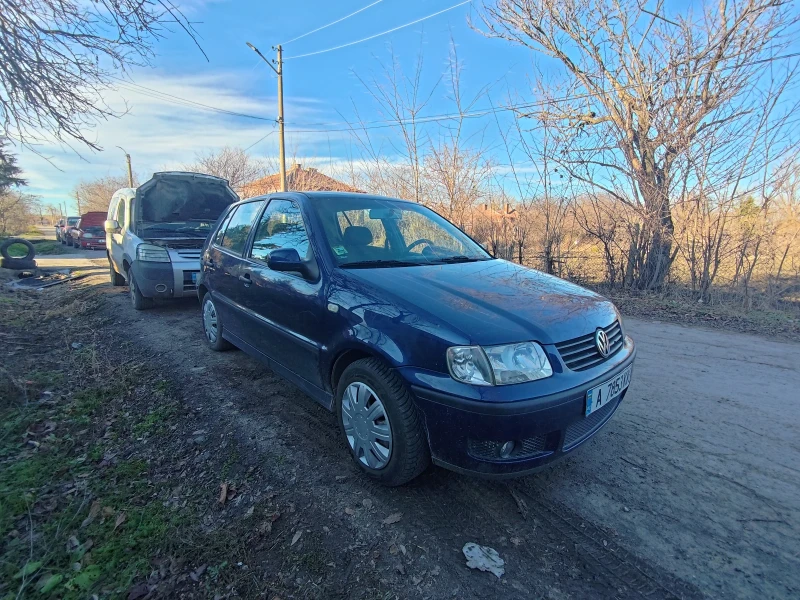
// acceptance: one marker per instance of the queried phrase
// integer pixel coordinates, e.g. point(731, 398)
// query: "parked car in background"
point(424, 345)
point(89, 232)
point(59, 225)
point(66, 226)
point(154, 233)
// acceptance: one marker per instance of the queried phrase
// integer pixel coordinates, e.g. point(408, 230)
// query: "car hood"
point(495, 302)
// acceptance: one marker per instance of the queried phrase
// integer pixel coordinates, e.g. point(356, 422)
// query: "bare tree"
point(456, 166)
point(648, 93)
point(400, 100)
point(95, 195)
point(233, 164)
point(17, 211)
point(56, 57)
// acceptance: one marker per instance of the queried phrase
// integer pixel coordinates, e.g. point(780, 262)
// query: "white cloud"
point(162, 133)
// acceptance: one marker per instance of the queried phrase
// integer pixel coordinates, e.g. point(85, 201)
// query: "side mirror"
point(287, 259)
point(111, 226)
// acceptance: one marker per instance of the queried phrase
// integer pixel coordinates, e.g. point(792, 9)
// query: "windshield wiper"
point(369, 264)
point(458, 259)
point(177, 232)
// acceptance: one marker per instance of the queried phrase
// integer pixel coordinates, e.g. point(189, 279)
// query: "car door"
point(285, 310)
point(224, 264)
point(119, 214)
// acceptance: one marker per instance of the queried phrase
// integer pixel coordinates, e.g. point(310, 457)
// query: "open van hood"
point(182, 197)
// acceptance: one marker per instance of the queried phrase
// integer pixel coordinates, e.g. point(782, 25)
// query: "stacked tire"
point(10, 262)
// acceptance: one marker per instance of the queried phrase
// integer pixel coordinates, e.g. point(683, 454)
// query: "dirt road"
point(692, 490)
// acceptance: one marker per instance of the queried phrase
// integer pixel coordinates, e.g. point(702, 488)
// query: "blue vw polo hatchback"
point(424, 346)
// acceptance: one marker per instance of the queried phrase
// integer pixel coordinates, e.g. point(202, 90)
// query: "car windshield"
point(377, 232)
point(94, 230)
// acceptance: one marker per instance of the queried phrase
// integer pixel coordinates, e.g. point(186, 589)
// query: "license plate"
point(604, 393)
point(194, 277)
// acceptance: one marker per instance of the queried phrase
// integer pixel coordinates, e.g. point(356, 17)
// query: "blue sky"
point(162, 134)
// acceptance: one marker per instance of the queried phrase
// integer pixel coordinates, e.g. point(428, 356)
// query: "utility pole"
point(130, 171)
point(279, 73)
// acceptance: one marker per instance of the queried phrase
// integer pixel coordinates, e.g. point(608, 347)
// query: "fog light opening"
point(506, 449)
point(161, 287)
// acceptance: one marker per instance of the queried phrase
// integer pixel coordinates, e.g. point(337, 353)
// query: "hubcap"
point(210, 321)
point(366, 425)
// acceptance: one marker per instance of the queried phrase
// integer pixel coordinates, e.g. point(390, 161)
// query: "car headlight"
point(470, 365)
point(87, 235)
point(151, 253)
point(499, 365)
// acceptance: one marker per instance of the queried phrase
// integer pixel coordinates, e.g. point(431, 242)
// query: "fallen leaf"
point(296, 537)
point(223, 493)
point(29, 569)
point(50, 583)
point(249, 512)
point(393, 518)
point(72, 544)
point(120, 520)
point(349, 511)
point(93, 512)
point(138, 591)
point(436, 570)
point(367, 503)
point(197, 573)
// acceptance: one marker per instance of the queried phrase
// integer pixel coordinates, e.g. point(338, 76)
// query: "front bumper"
point(465, 433)
point(175, 279)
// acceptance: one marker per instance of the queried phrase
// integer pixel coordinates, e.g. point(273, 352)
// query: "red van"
point(89, 232)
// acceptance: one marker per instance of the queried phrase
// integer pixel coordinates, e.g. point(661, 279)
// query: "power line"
point(260, 140)
point(347, 126)
point(372, 37)
point(332, 23)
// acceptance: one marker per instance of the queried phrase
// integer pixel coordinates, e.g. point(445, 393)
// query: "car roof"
point(324, 196)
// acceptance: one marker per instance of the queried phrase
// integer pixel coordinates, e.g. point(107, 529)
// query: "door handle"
point(245, 279)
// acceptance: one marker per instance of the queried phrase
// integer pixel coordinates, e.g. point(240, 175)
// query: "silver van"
point(155, 233)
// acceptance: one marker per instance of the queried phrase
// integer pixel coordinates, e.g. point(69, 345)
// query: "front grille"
point(189, 254)
point(527, 448)
point(581, 353)
point(580, 430)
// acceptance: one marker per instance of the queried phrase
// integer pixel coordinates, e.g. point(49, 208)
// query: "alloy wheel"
point(210, 321)
point(366, 425)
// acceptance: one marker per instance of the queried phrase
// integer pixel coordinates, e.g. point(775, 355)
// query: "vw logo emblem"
point(601, 342)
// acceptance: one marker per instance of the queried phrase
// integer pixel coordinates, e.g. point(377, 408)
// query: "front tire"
point(380, 423)
point(212, 325)
point(138, 301)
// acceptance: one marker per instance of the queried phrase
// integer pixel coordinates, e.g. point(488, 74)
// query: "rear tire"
point(212, 325)
point(117, 280)
point(138, 301)
point(408, 452)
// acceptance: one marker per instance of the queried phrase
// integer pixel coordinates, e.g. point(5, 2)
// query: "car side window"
point(281, 226)
point(120, 214)
point(239, 226)
point(223, 226)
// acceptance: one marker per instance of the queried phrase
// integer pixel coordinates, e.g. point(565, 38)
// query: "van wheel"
point(117, 280)
point(212, 325)
point(139, 302)
point(380, 423)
